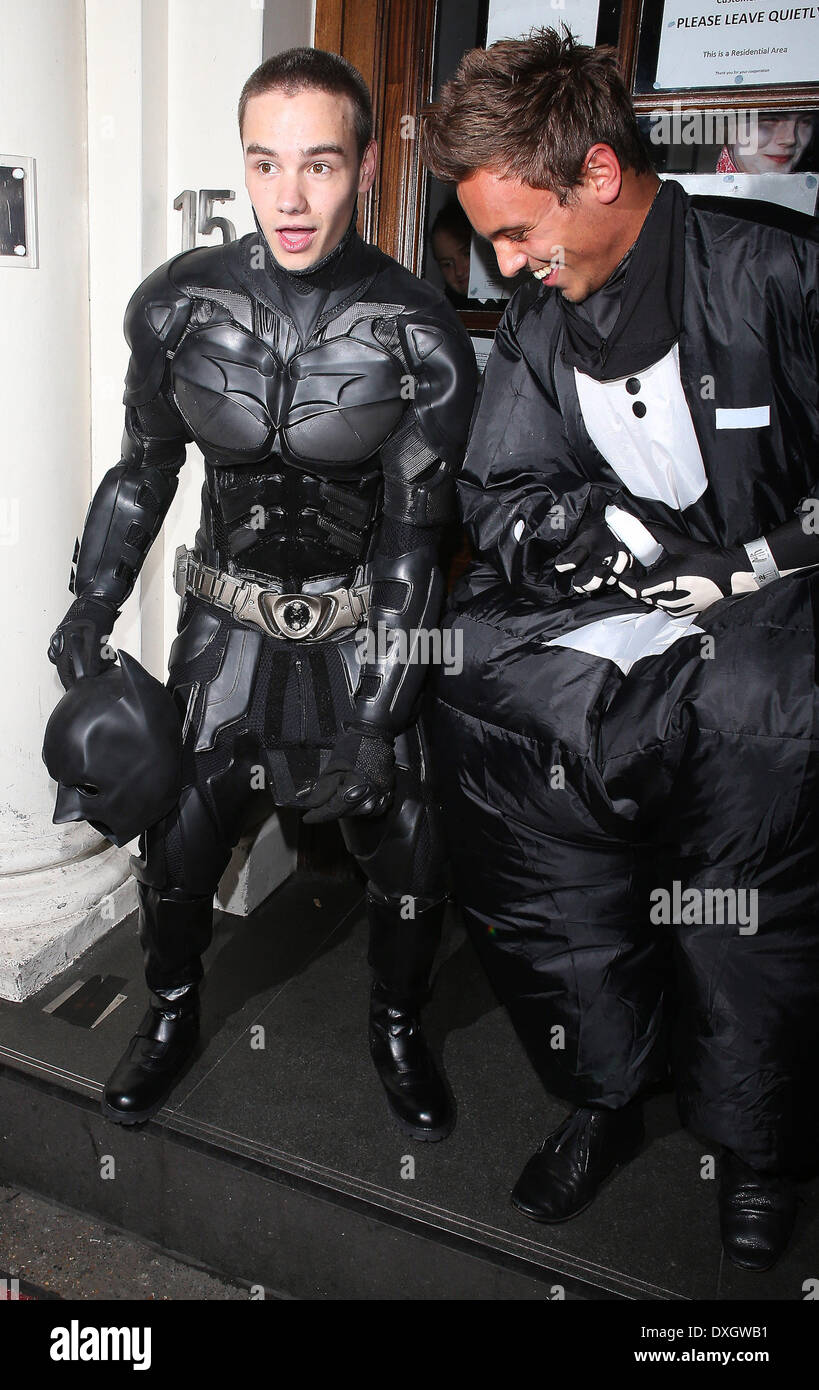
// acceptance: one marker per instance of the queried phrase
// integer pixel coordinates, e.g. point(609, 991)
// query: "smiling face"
point(303, 172)
point(572, 247)
point(780, 141)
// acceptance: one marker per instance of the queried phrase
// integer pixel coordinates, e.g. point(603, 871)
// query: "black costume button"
point(633, 385)
point(639, 409)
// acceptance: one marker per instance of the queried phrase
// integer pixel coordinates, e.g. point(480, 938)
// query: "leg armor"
point(403, 856)
point(184, 855)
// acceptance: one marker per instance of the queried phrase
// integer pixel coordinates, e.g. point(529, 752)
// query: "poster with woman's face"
point(776, 143)
point(771, 155)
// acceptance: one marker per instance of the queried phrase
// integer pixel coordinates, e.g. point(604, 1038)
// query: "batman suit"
point(331, 406)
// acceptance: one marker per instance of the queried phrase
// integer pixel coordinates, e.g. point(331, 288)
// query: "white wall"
point(164, 82)
point(213, 46)
point(61, 887)
point(44, 370)
point(115, 187)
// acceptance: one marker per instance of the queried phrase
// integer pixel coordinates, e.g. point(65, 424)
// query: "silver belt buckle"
point(294, 615)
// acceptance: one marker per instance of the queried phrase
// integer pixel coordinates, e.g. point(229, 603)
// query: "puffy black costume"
point(593, 751)
point(331, 406)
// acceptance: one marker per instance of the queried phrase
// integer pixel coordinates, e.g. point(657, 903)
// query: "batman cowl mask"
point(114, 746)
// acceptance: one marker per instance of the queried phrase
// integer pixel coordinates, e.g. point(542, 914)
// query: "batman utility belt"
point(291, 617)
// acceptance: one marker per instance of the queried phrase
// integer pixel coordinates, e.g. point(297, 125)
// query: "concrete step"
point(277, 1165)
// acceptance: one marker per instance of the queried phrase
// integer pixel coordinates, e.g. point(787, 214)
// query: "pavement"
point(56, 1253)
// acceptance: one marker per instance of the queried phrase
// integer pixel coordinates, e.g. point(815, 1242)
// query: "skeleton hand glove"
point(690, 576)
point(596, 556)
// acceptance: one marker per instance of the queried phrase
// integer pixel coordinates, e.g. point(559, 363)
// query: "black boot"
point(564, 1176)
point(174, 929)
point(401, 953)
point(416, 1091)
point(757, 1213)
point(154, 1059)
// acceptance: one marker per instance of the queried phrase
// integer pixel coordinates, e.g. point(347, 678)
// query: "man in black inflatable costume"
point(629, 757)
point(329, 391)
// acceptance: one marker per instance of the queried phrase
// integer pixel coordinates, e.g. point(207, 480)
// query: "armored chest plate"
point(332, 404)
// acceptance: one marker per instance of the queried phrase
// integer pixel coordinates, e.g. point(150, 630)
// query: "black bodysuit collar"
point(323, 272)
point(307, 294)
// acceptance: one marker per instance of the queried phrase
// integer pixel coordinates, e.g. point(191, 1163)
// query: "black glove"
point(597, 557)
point(691, 575)
point(359, 778)
point(79, 647)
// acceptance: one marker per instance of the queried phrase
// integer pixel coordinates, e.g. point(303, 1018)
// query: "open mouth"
point(295, 239)
point(547, 273)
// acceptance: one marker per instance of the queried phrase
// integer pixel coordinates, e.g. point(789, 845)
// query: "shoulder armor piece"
point(208, 265)
point(394, 282)
point(442, 360)
point(154, 322)
point(158, 313)
point(208, 271)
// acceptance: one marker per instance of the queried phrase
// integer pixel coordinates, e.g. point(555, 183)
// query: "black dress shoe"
point(564, 1176)
point(417, 1094)
point(153, 1061)
point(757, 1213)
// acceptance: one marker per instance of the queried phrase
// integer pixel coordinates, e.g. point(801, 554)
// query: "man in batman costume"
point(329, 391)
point(629, 757)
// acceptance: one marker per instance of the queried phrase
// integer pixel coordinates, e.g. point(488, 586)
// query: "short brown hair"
point(312, 69)
point(530, 109)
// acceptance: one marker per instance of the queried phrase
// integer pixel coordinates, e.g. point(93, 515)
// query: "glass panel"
point(512, 18)
point(454, 259)
point(461, 25)
point(706, 44)
point(739, 152)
